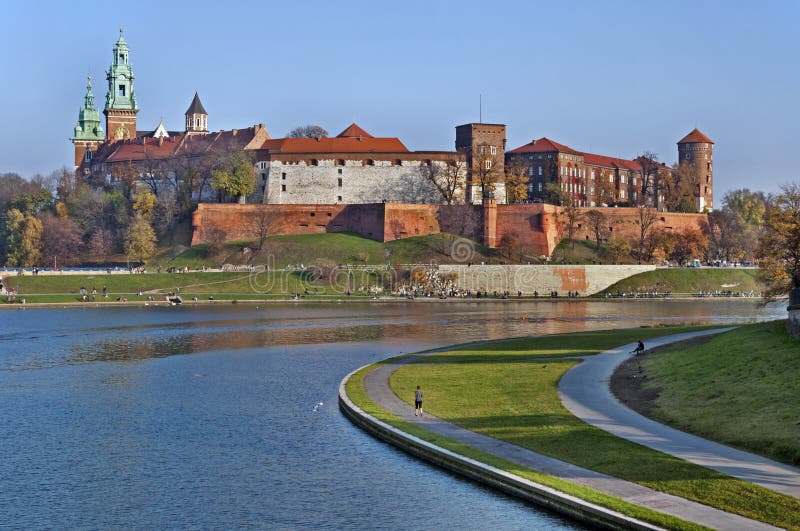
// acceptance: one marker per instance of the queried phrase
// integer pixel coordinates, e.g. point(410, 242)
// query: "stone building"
point(484, 147)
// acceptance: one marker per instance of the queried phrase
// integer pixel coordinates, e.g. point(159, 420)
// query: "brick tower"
point(88, 133)
point(120, 107)
point(484, 146)
point(698, 150)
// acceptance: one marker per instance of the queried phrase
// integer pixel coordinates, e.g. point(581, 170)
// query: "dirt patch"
point(628, 381)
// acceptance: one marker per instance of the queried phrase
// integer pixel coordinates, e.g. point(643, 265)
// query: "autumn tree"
point(447, 177)
point(517, 180)
point(140, 242)
point(307, 131)
point(144, 203)
point(555, 195)
point(779, 246)
point(648, 160)
point(22, 235)
point(235, 176)
point(127, 176)
point(617, 249)
point(485, 171)
point(598, 224)
point(687, 244)
point(570, 216)
point(61, 241)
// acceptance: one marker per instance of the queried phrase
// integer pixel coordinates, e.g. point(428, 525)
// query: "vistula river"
point(203, 417)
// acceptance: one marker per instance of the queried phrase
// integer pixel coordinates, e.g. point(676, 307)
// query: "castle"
point(355, 168)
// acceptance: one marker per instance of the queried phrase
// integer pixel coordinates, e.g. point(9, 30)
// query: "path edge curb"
point(490, 476)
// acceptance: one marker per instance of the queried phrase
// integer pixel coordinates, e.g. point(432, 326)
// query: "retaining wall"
point(794, 313)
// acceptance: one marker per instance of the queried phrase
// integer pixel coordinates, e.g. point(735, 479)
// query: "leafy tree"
point(307, 131)
point(23, 239)
point(749, 206)
point(485, 170)
point(516, 181)
point(554, 195)
point(687, 244)
point(779, 247)
point(144, 204)
point(235, 176)
point(140, 242)
point(617, 249)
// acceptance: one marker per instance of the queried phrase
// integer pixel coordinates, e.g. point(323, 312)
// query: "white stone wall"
point(586, 279)
point(304, 183)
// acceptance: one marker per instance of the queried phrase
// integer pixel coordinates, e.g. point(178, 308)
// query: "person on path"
point(418, 402)
point(639, 348)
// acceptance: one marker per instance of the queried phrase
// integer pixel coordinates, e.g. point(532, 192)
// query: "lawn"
point(741, 388)
point(689, 280)
point(515, 399)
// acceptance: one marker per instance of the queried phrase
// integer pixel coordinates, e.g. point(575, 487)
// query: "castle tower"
point(196, 117)
point(120, 107)
point(484, 146)
point(698, 150)
point(88, 133)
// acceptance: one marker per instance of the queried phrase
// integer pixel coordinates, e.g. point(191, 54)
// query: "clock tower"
point(121, 106)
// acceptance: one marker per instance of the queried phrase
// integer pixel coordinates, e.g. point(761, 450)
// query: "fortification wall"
point(585, 279)
point(793, 325)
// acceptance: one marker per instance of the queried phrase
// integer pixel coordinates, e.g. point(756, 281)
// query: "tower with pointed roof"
point(698, 150)
point(196, 117)
point(88, 133)
point(121, 108)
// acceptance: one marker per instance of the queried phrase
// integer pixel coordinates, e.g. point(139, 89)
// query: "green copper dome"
point(88, 126)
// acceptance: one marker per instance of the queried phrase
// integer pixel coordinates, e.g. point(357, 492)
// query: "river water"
point(204, 417)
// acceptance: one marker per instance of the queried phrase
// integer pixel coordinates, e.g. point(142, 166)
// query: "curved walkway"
point(585, 391)
point(376, 384)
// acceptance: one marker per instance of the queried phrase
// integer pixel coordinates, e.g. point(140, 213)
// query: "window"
point(540, 187)
point(340, 182)
point(312, 214)
point(530, 172)
point(263, 176)
point(488, 164)
point(122, 90)
point(611, 178)
point(493, 150)
point(314, 162)
point(283, 188)
point(540, 171)
point(121, 58)
point(340, 172)
point(283, 176)
point(338, 198)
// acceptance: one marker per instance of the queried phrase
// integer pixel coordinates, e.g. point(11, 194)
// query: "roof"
point(542, 145)
point(196, 107)
point(337, 144)
point(695, 137)
point(611, 162)
point(354, 131)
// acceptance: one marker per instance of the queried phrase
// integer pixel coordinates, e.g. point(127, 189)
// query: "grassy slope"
point(355, 390)
point(742, 388)
point(690, 280)
point(583, 252)
point(340, 248)
point(518, 401)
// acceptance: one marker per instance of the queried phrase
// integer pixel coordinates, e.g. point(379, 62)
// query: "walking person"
point(418, 402)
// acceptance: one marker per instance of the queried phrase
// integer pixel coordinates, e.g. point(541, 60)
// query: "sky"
point(616, 77)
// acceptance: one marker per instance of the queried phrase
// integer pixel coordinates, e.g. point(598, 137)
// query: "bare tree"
point(598, 224)
point(447, 177)
point(571, 215)
point(307, 131)
point(262, 224)
point(485, 172)
point(647, 221)
point(648, 160)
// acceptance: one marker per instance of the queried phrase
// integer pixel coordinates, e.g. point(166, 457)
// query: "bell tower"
point(121, 106)
point(88, 133)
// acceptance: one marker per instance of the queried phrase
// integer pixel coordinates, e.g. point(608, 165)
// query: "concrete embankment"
point(519, 487)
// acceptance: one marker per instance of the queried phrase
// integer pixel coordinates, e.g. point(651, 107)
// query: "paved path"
point(377, 387)
point(585, 391)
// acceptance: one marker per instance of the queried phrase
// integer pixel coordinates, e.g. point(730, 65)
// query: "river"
point(205, 417)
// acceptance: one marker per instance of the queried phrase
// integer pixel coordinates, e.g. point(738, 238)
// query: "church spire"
point(196, 117)
point(121, 108)
point(88, 134)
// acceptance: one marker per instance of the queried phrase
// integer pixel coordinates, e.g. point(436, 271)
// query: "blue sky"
point(614, 78)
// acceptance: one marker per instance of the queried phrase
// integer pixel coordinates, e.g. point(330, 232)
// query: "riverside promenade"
point(377, 387)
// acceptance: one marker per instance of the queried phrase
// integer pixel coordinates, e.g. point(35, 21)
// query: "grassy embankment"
point(337, 248)
point(741, 388)
point(687, 281)
point(503, 391)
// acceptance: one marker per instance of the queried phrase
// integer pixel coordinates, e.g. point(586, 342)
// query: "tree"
point(749, 206)
point(517, 180)
point(446, 177)
point(508, 243)
point(216, 241)
point(126, 176)
point(598, 224)
point(262, 224)
point(485, 168)
point(236, 176)
point(725, 232)
point(616, 249)
point(23, 239)
point(571, 215)
point(779, 247)
point(166, 214)
point(648, 160)
point(61, 241)
point(140, 242)
point(555, 195)
point(687, 244)
point(647, 221)
point(307, 131)
point(144, 203)
point(101, 244)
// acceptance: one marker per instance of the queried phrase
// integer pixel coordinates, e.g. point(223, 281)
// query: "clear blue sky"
point(614, 78)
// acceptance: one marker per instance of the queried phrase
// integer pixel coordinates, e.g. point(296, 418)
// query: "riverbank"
point(517, 402)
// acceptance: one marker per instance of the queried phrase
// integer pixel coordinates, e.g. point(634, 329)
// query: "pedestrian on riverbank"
point(418, 402)
point(639, 348)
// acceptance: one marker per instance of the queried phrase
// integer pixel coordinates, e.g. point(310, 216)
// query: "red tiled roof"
point(354, 131)
point(696, 136)
point(542, 145)
point(611, 162)
point(337, 144)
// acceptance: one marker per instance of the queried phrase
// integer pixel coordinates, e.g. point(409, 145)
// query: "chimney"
point(234, 132)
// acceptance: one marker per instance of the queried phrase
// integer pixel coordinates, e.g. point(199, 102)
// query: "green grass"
point(355, 390)
point(582, 252)
point(339, 248)
point(741, 388)
point(689, 280)
point(580, 344)
point(517, 401)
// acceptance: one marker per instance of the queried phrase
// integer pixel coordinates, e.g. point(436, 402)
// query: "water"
point(204, 417)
